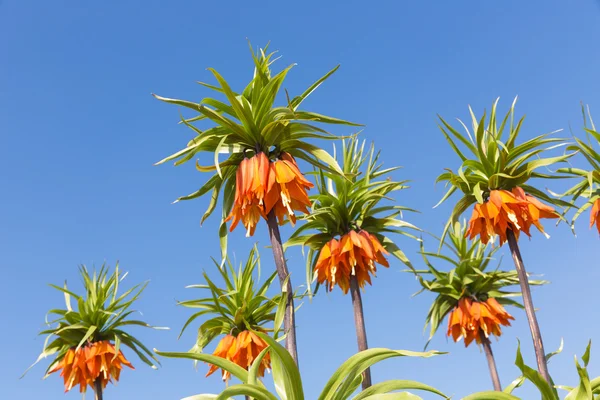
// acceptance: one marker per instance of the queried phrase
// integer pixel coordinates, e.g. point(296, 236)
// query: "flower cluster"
point(242, 350)
point(262, 186)
point(89, 363)
point(471, 317)
point(514, 210)
point(355, 254)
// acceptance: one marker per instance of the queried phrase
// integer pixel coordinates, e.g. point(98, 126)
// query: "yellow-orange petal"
point(222, 350)
point(595, 215)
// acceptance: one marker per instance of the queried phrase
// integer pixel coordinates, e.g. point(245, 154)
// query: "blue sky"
point(80, 132)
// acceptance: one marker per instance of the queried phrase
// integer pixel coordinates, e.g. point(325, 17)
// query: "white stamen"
point(513, 218)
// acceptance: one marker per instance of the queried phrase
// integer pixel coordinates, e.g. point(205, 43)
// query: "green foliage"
point(490, 395)
point(588, 186)
point(492, 160)
point(585, 390)
point(342, 384)
point(247, 123)
point(238, 306)
point(353, 201)
point(469, 277)
point(100, 314)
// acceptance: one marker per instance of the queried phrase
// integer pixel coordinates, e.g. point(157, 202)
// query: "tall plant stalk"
point(359, 322)
point(489, 355)
point(289, 320)
point(536, 335)
point(98, 389)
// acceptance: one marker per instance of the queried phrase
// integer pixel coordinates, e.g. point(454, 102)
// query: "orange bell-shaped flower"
point(89, 363)
point(470, 317)
point(241, 350)
point(595, 215)
point(287, 189)
point(262, 186)
point(504, 210)
point(355, 254)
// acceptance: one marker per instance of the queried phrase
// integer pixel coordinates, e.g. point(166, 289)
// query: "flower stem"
point(98, 389)
point(289, 320)
point(536, 335)
point(487, 347)
point(359, 322)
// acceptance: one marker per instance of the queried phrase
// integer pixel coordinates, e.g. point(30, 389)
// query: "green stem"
point(489, 355)
point(289, 320)
point(359, 322)
point(98, 389)
point(536, 334)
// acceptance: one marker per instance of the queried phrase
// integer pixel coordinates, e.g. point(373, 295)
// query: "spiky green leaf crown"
point(469, 276)
point(492, 159)
point(238, 306)
point(589, 180)
point(353, 201)
point(100, 314)
point(247, 123)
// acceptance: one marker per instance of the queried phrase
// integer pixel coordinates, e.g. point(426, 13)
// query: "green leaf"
point(557, 351)
point(227, 365)
point(285, 372)
point(254, 391)
point(388, 386)
point(296, 101)
point(394, 396)
point(548, 392)
point(318, 153)
point(514, 384)
point(184, 103)
point(491, 396)
point(254, 368)
point(355, 365)
point(586, 354)
point(201, 397)
point(88, 334)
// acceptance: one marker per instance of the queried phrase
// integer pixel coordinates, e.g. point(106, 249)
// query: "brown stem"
point(359, 321)
point(536, 335)
point(98, 389)
point(289, 320)
point(487, 347)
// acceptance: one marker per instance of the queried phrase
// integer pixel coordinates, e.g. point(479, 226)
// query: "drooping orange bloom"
point(262, 185)
point(89, 363)
point(595, 215)
point(504, 210)
point(241, 350)
point(287, 189)
point(250, 189)
point(470, 317)
point(354, 254)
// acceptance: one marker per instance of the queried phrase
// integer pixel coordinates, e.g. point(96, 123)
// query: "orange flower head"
point(262, 185)
point(89, 363)
point(287, 189)
point(241, 350)
point(595, 215)
point(470, 317)
point(504, 210)
point(250, 191)
point(355, 254)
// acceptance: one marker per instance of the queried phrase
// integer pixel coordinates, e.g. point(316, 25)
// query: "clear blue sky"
point(80, 132)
